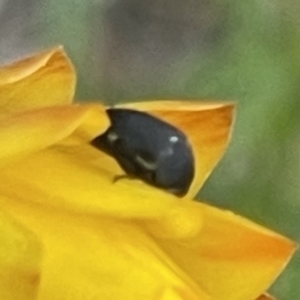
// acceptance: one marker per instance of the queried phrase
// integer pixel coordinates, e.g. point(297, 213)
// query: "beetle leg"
point(122, 176)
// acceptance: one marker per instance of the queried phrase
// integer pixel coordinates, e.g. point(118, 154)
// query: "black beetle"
point(148, 148)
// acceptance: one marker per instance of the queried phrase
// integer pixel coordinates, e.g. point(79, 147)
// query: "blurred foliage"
point(246, 51)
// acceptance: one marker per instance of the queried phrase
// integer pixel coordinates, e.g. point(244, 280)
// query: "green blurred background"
point(248, 51)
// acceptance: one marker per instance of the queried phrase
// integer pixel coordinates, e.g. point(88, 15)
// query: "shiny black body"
point(149, 148)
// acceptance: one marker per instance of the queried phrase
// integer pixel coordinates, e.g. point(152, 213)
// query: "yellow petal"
point(81, 179)
point(101, 258)
point(208, 126)
point(29, 131)
point(20, 255)
point(231, 258)
point(182, 221)
point(45, 79)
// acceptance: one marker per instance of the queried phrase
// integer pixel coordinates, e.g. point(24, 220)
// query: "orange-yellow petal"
point(20, 257)
point(265, 297)
point(45, 79)
point(231, 258)
point(27, 132)
point(208, 126)
point(101, 258)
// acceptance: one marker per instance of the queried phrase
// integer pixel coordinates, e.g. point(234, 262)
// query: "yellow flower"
point(69, 233)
